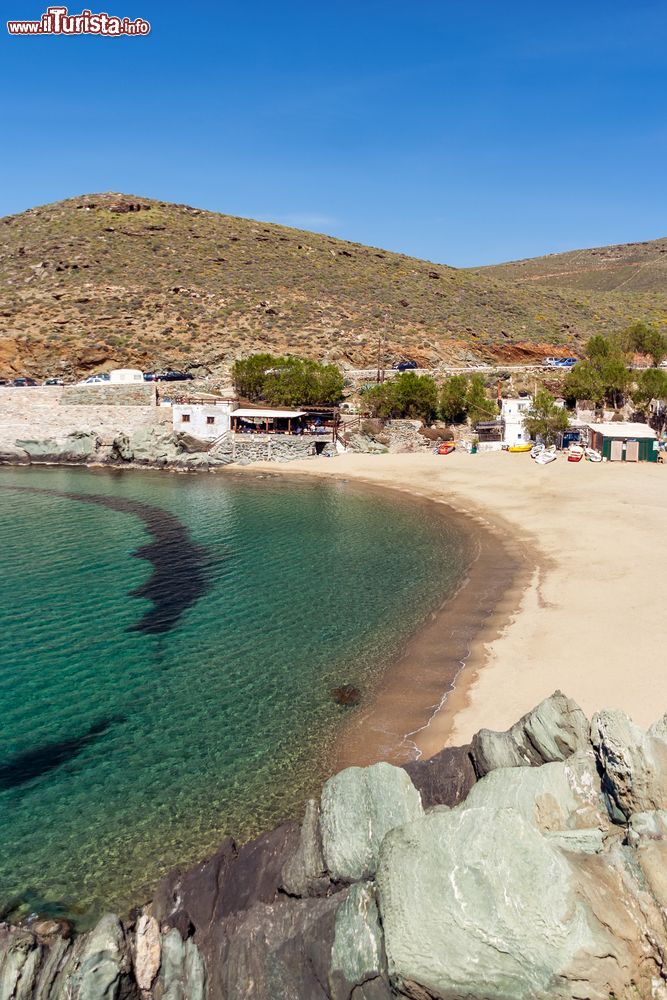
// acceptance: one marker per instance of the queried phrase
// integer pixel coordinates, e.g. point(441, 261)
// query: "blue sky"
point(462, 133)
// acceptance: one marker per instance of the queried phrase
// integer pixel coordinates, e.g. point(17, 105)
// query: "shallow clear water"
point(137, 729)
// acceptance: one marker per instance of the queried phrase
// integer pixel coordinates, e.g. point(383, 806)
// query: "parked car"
point(560, 362)
point(20, 382)
point(150, 377)
point(95, 380)
point(4, 381)
point(54, 381)
point(404, 366)
point(171, 376)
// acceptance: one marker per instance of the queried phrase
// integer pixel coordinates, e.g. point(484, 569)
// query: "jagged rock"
point(191, 444)
point(279, 952)
point(634, 763)
point(147, 951)
point(104, 964)
point(182, 972)
point(478, 903)
point(444, 779)
point(78, 447)
point(19, 957)
point(357, 953)
point(552, 731)
point(358, 807)
point(647, 833)
point(559, 796)
point(54, 957)
point(153, 446)
point(230, 881)
point(10, 454)
point(304, 874)
point(121, 448)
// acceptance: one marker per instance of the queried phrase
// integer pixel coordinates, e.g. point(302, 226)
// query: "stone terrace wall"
point(246, 448)
point(143, 394)
point(41, 412)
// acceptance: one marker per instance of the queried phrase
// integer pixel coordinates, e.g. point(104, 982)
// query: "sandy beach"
point(587, 618)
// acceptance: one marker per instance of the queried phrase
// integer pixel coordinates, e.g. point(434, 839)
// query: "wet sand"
point(580, 609)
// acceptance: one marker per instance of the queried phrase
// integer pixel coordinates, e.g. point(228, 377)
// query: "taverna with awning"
point(624, 442)
point(266, 420)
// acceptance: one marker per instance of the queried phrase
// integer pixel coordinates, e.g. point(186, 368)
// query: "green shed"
point(624, 442)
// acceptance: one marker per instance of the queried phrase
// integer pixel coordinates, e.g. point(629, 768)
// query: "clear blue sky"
point(465, 133)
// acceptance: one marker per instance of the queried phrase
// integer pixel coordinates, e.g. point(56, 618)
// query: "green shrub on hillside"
point(285, 381)
point(408, 395)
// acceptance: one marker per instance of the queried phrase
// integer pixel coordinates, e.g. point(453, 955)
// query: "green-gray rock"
point(634, 763)
point(477, 903)
point(552, 731)
point(358, 807)
point(357, 953)
point(304, 873)
point(559, 796)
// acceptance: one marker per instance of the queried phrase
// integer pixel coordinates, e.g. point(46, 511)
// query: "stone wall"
point(41, 412)
point(246, 448)
point(141, 394)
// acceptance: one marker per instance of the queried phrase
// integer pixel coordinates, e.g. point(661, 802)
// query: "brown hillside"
point(628, 267)
point(106, 280)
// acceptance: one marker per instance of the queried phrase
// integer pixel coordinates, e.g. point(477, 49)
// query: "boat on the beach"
point(446, 448)
point(536, 450)
point(592, 455)
point(546, 457)
point(521, 447)
point(575, 453)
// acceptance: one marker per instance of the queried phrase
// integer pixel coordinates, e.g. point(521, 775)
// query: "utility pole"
point(381, 353)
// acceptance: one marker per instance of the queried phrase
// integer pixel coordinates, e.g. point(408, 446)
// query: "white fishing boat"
point(592, 455)
point(546, 457)
point(536, 450)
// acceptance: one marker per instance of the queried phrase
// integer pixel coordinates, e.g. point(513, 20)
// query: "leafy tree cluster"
point(407, 395)
point(603, 376)
point(416, 396)
point(651, 384)
point(644, 339)
point(545, 420)
point(285, 381)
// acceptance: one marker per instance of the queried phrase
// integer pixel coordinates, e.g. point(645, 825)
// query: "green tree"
point(651, 384)
point(584, 381)
point(408, 395)
point(645, 339)
point(249, 374)
point(604, 374)
point(545, 419)
point(286, 381)
point(454, 399)
point(478, 405)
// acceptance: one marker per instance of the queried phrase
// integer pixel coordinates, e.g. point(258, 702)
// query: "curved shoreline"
point(409, 712)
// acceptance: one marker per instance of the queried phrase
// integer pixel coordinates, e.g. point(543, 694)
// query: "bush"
point(285, 381)
point(406, 396)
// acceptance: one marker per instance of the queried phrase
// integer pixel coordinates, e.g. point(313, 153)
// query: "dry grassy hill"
point(628, 267)
point(107, 280)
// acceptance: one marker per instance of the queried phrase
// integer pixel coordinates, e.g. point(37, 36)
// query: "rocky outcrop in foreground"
point(528, 865)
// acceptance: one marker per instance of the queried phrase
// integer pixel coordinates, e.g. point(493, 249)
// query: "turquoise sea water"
point(150, 705)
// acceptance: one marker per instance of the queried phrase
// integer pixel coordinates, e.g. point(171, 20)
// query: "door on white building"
point(616, 451)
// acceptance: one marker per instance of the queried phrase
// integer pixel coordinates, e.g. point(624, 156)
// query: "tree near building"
point(545, 419)
point(478, 404)
point(645, 339)
point(454, 399)
point(286, 381)
point(651, 384)
point(408, 395)
point(603, 376)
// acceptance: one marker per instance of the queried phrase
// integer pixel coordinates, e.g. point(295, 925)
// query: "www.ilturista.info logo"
point(57, 21)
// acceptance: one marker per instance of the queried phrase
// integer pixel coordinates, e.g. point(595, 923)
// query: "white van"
point(126, 376)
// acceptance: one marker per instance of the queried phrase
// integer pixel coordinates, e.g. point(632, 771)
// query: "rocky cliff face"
point(529, 865)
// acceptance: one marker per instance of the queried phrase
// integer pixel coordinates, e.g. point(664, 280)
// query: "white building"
point(512, 414)
point(206, 420)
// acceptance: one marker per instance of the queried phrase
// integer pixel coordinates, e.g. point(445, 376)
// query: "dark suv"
point(20, 382)
point(404, 366)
